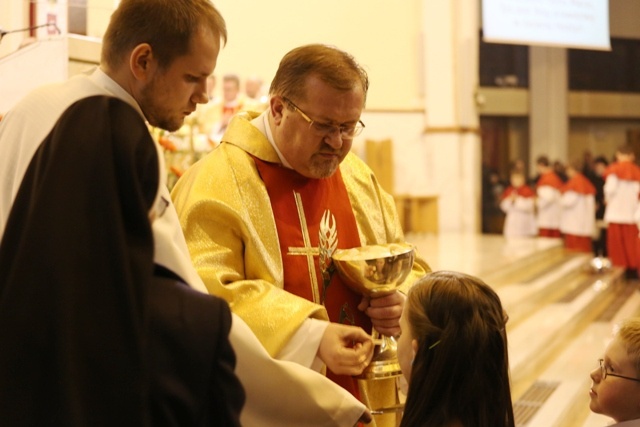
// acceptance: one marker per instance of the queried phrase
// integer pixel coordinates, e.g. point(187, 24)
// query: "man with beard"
point(256, 210)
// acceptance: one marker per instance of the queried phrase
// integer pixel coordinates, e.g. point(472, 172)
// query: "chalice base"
point(382, 398)
point(384, 363)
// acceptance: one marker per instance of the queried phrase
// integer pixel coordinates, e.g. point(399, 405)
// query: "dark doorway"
point(504, 140)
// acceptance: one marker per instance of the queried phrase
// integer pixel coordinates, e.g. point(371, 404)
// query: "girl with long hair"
point(453, 353)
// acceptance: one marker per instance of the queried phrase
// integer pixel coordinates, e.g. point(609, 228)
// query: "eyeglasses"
point(604, 374)
point(324, 129)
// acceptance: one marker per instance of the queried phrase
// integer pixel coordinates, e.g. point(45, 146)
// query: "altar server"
point(577, 222)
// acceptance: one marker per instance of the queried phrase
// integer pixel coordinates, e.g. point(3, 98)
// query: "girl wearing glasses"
point(616, 381)
point(453, 353)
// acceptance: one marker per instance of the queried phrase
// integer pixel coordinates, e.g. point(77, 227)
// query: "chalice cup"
point(376, 271)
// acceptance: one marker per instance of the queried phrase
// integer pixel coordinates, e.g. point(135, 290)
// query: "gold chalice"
point(376, 271)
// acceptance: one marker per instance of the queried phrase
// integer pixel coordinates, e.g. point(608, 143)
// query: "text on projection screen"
point(582, 24)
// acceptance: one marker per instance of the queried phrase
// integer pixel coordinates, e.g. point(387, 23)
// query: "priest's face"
point(316, 149)
point(167, 95)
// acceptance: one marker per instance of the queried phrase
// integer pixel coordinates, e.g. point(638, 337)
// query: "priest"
point(263, 212)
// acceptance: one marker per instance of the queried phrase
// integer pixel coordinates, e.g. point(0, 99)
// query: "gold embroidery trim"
point(307, 250)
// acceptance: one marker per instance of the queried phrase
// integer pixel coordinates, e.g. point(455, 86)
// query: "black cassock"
point(92, 333)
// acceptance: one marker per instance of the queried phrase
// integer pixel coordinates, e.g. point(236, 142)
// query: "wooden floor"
point(561, 315)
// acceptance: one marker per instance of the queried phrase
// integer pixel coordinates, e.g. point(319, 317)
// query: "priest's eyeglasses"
point(604, 373)
point(325, 129)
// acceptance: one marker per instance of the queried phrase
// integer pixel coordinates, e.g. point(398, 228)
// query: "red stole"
point(298, 205)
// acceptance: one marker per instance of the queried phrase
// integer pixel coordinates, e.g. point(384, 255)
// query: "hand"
point(366, 417)
point(346, 350)
point(384, 312)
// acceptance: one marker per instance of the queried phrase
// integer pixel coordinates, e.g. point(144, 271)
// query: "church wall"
point(411, 175)
point(98, 14)
point(623, 18)
point(384, 38)
point(600, 137)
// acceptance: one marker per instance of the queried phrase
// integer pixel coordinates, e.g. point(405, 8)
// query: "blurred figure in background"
point(578, 202)
point(492, 188)
point(254, 89)
point(561, 170)
point(256, 99)
point(548, 200)
point(621, 189)
point(211, 88)
point(596, 177)
point(518, 204)
point(214, 117)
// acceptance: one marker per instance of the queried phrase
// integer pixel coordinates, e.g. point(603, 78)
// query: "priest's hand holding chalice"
point(376, 271)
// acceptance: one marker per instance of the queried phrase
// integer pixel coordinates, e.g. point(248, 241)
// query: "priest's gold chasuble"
point(313, 217)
